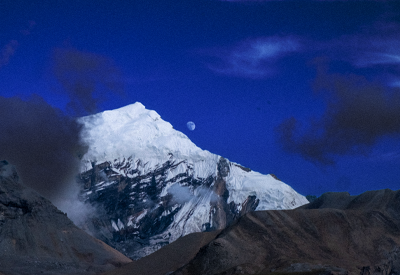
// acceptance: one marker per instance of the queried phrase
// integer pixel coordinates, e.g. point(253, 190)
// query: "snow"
point(272, 193)
point(135, 131)
point(191, 217)
point(114, 225)
point(120, 224)
point(139, 137)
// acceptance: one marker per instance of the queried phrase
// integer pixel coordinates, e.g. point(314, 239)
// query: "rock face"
point(335, 234)
point(139, 214)
point(151, 185)
point(37, 238)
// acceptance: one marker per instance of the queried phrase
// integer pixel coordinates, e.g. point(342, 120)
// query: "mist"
point(182, 194)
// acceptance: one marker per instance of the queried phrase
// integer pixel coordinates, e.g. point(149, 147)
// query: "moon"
point(191, 125)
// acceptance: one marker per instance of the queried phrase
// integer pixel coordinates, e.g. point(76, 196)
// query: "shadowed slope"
point(37, 238)
point(168, 258)
point(336, 233)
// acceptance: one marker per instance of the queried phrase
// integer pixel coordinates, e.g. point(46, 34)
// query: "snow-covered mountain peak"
point(134, 131)
point(153, 185)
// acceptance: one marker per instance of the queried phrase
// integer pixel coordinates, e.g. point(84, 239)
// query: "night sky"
point(306, 90)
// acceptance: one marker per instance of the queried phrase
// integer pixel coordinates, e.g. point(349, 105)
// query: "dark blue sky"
point(306, 90)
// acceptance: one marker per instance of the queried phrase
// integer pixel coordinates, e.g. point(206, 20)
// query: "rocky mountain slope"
point(336, 234)
point(37, 238)
point(169, 258)
point(151, 185)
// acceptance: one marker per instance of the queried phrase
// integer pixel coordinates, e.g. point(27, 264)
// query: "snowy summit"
point(154, 176)
point(135, 131)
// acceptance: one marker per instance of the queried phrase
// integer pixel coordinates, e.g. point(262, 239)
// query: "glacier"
point(151, 184)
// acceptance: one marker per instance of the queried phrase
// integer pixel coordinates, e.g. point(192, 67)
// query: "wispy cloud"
point(376, 47)
point(378, 58)
point(254, 58)
point(387, 156)
point(375, 51)
point(9, 49)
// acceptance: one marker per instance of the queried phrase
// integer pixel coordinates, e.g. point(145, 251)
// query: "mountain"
point(336, 234)
point(151, 185)
point(168, 258)
point(37, 238)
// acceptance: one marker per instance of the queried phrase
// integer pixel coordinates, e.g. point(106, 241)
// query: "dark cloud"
point(358, 114)
point(87, 79)
point(43, 143)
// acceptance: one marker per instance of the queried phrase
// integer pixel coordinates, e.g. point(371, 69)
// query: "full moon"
point(190, 125)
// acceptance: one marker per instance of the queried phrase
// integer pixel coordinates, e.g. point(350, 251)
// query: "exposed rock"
point(137, 213)
point(274, 176)
point(37, 238)
point(243, 168)
point(151, 185)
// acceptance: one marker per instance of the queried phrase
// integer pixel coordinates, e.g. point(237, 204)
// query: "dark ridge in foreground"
point(335, 234)
point(37, 238)
point(168, 258)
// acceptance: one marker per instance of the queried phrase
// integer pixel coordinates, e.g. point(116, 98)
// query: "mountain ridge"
point(153, 185)
point(37, 238)
point(358, 237)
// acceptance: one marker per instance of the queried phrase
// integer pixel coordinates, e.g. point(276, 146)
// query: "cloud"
point(384, 52)
point(379, 58)
point(374, 47)
point(42, 143)
point(181, 194)
point(7, 51)
point(254, 58)
point(87, 79)
point(358, 114)
point(386, 156)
